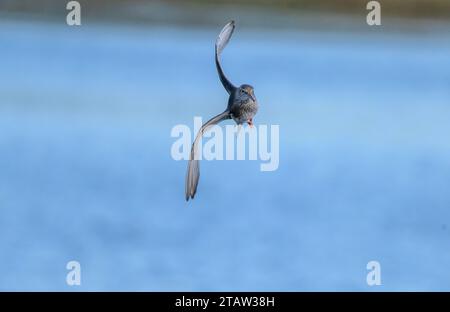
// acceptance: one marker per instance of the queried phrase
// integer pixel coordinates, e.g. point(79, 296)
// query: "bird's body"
point(242, 107)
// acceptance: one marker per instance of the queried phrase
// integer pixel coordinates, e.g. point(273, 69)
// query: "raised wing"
point(221, 42)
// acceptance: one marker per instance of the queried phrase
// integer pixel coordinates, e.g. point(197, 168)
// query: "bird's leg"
point(250, 122)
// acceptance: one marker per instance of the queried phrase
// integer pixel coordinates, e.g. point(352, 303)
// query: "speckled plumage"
point(242, 107)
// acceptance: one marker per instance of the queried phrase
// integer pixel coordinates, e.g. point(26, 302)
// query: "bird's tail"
point(193, 170)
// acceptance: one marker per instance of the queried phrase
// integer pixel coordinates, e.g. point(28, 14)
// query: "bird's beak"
point(253, 97)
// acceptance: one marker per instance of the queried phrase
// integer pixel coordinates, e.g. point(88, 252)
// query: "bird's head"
point(247, 91)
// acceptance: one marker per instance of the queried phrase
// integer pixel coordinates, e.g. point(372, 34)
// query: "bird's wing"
point(193, 171)
point(221, 42)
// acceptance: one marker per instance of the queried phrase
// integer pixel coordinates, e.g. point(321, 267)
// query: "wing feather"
point(221, 43)
point(193, 171)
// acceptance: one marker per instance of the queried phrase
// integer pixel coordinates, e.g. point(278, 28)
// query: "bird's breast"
point(244, 111)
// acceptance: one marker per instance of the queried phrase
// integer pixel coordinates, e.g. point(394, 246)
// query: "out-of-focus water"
point(86, 172)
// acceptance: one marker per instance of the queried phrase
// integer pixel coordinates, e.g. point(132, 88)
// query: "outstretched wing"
point(193, 171)
point(221, 42)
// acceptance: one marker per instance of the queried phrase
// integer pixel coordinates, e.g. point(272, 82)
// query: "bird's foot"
point(250, 122)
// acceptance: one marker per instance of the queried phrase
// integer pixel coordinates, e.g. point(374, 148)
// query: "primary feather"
point(224, 37)
point(221, 42)
point(193, 171)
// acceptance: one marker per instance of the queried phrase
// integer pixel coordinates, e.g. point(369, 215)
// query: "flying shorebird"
point(242, 107)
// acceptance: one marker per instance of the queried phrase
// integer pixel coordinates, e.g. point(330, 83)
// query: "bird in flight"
point(242, 107)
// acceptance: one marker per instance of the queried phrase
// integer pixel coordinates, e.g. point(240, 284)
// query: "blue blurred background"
point(86, 172)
